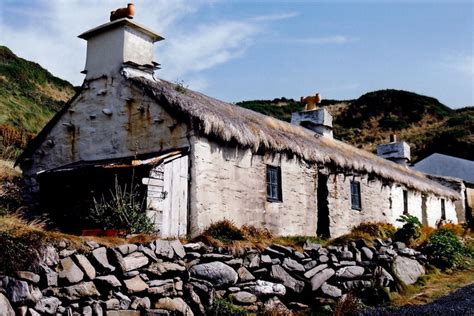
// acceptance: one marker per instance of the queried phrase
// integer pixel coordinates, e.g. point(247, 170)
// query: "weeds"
point(222, 307)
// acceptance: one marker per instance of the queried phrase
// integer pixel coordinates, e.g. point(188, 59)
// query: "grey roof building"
point(447, 166)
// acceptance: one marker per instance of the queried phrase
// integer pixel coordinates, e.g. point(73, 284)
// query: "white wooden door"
point(167, 199)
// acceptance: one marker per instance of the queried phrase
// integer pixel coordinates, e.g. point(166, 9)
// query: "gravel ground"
point(460, 302)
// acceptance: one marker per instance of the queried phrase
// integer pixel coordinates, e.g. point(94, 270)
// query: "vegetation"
point(445, 250)
point(411, 229)
point(123, 209)
point(222, 307)
point(367, 231)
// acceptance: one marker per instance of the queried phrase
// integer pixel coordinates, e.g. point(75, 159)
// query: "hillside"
point(29, 97)
point(424, 122)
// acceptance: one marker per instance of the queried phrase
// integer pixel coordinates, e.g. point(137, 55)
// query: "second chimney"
point(398, 152)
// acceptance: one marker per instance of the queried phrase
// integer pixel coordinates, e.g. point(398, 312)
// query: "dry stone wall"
point(165, 277)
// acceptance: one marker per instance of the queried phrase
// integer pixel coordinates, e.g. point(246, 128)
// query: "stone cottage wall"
point(229, 182)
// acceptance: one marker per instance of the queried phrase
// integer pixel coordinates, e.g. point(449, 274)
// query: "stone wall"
point(165, 277)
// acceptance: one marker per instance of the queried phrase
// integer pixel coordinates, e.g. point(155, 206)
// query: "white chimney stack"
point(117, 43)
point(398, 152)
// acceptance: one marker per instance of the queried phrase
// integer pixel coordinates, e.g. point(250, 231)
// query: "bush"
point(445, 250)
point(123, 210)
point(18, 252)
point(368, 232)
point(222, 307)
point(224, 230)
point(410, 231)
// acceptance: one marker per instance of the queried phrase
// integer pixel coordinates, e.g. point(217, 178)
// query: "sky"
point(257, 49)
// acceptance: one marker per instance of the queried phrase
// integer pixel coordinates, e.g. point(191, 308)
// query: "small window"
point(274, 184)
point(355, 195)
point(405, 202)
point(443, 209)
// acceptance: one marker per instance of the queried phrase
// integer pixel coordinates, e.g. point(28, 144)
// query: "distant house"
point(455, 172)
point(199, 160)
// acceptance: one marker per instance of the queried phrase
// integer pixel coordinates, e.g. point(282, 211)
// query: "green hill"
point(428, 125)
point(29, 97)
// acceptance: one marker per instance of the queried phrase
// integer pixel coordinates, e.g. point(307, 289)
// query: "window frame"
point(405, 202)
point(443, 209)
point(277, 183)
point(358, 195)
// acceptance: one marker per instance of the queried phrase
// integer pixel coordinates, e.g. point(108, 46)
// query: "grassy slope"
point(29, 95)
point(424, 122)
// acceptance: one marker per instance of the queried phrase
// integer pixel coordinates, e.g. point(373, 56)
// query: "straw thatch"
point(231, 123)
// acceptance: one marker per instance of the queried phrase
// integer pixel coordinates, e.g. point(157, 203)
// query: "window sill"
point(274, 200)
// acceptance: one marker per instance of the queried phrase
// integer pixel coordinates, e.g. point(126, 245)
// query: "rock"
point(286, 250)
point(235, 263)
point(70, 271)
point(407, 252)
point(356, 284)
point(148, 252)
point(274, 306)
point(407, 270)
point(178, 248)
point(142, 303)
point(218, 273)
point(32, 312)
point(17, 291)
point(346, 255)
point(86, 266)
point(367, 253)
point(127, 249)
point(216, 257)
point(273, 253)
point(133, 261)
point(135, 285)
point(331, 290)
point(176, 305)
point(161, 287)
point(310, 273)
point(243, 298)
point(292, 265)
point(86, 311)
point(21, 311)
point(5, 307)
point(350, 272)
point(66, 253)
point(164, 249)
point(309, 246)
point(298, 306)
point(92, 244)
point(107, 281)
point(311, 264)
point(100, 257)
point(358, 256)
point(347, 263)
point(194, 300)
point(323, 258)
point(192, 246)
point(278, 273)
point(266, 288)
point(48, 305)
point(131, 274)
point(319, 278)
point(245, 275)
point(78, 291)
point(124, 300)
point(28, 276)
point(399, 245)
point(298, 255)
point(163, 268)
point(112, 304)
point(156, 312)
point(48, 276)
point(265, 259)
point(383, 278)
point(97, 309)
point(49, 255)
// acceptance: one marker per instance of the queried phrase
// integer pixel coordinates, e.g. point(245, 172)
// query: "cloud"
point(275, 17)
point(334, 39)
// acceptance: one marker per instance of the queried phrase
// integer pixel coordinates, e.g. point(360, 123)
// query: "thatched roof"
point(230, 123)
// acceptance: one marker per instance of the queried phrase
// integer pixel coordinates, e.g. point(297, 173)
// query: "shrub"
point(410, 231)
point(18, 252)
point(224, 230)
point(375, 229)
point(444, 249)
point(222, 307)
point(123, 210)
point(457, 229)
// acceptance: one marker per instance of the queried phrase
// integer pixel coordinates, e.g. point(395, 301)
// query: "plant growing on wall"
point(122, 209)
point(411, 229)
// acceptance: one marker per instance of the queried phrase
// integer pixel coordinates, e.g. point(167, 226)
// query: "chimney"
point(398, 152)
point(118, 43)
point(312, 118)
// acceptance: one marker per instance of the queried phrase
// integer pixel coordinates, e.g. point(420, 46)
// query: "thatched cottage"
point(199, 160)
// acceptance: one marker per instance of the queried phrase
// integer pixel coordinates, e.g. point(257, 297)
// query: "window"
point(405, 202)
point(274, 184)
point(355, 195)
point(443, 209)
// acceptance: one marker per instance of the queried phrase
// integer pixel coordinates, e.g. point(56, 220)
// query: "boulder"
point(243, 298)
point(278, 273)
point(135, 285)
point(367, 253)
point(17, 291)
point(331, 290)
point(218, 273)
point(245, 275)
point(323, 258)
point(175, 305)
point(70, 271)
point(266, 288)
point(292, 265)
point(48, 305)
point(320, 278)
point(100, 257)
point(86, 266)
point(350, 272)
point(310, 273)
point(5, 307)
point(133, 261)
point(407, 270)
point(28, 276)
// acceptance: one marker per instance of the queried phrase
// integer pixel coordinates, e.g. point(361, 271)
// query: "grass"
point(435, 284)
point(366, 231)
point(8, 172)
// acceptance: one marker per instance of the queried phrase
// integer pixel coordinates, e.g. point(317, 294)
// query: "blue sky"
point(241, 50)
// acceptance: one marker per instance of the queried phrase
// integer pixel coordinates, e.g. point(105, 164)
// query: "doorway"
point(323, 209)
